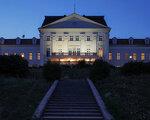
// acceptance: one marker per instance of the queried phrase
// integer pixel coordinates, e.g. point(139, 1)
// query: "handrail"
point(38, 112)
point(101, 104)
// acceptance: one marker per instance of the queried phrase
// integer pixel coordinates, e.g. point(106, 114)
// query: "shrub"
point(81, 64)
point(51, 71)
point(135, 68)
point(100, 70)
point(13, 65)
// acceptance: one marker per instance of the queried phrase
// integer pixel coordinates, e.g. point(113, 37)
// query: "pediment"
point(74, 21)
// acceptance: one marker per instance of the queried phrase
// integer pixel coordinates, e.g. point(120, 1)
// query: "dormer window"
point(131, 41)
point(18, 40)
point(147, 41)
point(34, 40)
point(66, 33)
point(114, 40)
point(2, 40)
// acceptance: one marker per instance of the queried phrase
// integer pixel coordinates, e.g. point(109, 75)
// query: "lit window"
point(48, 38)
point(134, 56)
point(142, 56)
point(118, 56)
point(60, 38)
point(100, 38)
point(30, 56)
point(126, 56)
point(110, 56)
point(6, 54)
point(77, 38)
point(88, 38)
point(22, 55)
point(101, 52)
point(38, 56)
point(71, 38)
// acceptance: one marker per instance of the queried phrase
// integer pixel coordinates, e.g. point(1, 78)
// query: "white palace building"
point(68, 39)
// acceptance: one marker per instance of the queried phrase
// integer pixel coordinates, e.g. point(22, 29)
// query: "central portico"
point(73, 38)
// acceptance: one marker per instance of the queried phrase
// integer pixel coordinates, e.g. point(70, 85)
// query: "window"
point(142, 56)
point(77, 38)
point(60, 38)
point(48, 52)
point(48, 38)
point(6, 54)
point(66, 33)
point(30, 56)
point(71, 38)
point(22, 55)
point(53, 32)
point(110, 56)
point(78, 51)
point(60, 51)
point(118, 56)
point(134, 56)
point(126, 56)
point(38, 56)
point(82, 32)
point(95, 32)
point(70, 51)
point(100, 38)
point(88, 51)
point(88, 38)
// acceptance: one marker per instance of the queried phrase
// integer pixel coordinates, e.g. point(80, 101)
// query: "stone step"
point(71, 107)
point(73, 118)
point(72, 110)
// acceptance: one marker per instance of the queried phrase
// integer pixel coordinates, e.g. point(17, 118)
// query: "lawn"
point(127, 98)
point(19, 97)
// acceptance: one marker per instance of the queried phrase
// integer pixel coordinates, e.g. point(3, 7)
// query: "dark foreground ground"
point(127, 98)
point(20, 97)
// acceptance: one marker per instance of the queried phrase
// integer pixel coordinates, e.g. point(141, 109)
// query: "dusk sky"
point(126, 18)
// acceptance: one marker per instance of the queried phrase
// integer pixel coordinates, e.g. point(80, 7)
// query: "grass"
point(127, 98)
point(20, 97)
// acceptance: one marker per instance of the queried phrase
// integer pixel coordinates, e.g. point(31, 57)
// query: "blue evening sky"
point(126, 17)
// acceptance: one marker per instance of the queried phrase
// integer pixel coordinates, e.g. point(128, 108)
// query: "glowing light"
point(130, 57)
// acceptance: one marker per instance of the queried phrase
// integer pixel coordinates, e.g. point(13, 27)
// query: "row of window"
point(68, 32)
point(72, 38)
point(134, 56)
point(70, 51)
point(30, 55)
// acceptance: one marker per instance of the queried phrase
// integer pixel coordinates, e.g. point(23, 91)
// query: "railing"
point(74, 54)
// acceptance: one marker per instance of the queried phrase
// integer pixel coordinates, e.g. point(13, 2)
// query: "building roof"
point(22, 42)
point(50, 19)
point(115, 41)
point(74, 23)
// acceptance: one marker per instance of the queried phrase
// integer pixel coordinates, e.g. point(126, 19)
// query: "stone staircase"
point(72, 100)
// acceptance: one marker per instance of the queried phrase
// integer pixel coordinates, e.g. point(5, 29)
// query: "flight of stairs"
point(72, 100)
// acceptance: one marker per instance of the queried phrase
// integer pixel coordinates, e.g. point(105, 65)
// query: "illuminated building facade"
point(68, 39)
